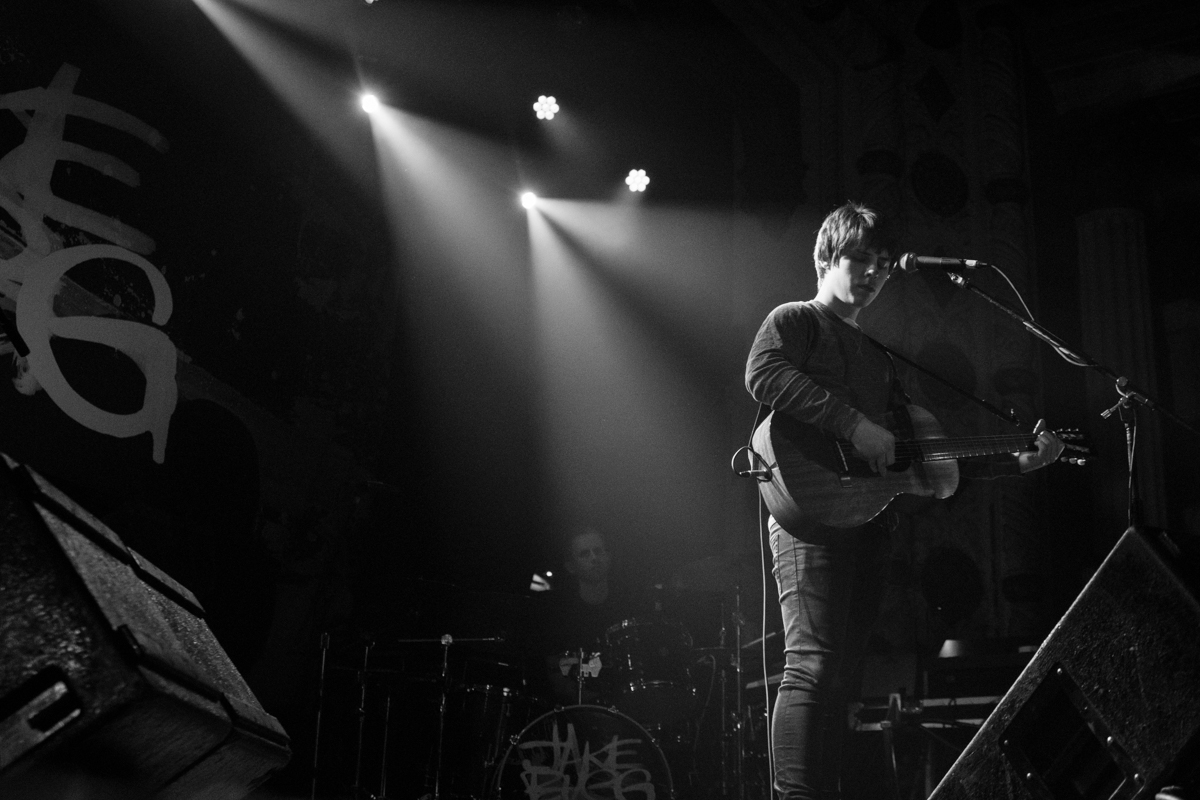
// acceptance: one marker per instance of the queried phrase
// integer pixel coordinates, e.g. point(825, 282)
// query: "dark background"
point(388, 418)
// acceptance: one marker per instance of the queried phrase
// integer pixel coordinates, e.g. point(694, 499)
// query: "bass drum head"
point(584, 752)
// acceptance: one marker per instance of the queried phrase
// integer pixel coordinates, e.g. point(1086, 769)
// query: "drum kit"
point(654, 717)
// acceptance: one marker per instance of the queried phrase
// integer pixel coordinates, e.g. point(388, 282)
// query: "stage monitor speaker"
point(1109, 706)
point(111, 684)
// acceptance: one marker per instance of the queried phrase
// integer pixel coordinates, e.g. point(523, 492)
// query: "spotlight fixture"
point(637, 180)
point(546, 107)
point(370, 103)
point(529, 199)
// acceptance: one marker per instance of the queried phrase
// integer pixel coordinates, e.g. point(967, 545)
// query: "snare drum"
point(579, 678)
point(651, 659)
point(583, 752)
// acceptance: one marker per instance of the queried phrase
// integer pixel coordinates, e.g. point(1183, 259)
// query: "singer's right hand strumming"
point(875, 444)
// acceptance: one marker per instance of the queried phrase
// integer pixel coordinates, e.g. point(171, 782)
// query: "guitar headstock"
point(1076, 449)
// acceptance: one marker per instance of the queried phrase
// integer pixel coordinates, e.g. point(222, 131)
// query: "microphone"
point(909, 262)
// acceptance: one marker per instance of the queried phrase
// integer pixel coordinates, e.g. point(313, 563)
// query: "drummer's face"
point(589, 557)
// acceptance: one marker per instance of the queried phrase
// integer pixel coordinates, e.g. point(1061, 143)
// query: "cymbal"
point(705, 651)
point(771, 680)
point(760, 640)
point(713, 574)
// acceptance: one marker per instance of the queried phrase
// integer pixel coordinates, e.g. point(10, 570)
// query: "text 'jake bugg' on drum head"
point(584, 753)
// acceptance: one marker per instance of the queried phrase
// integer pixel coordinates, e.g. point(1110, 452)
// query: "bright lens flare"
point(529, 199)
point(546, 107)
point(637, 180)
point(370, 103)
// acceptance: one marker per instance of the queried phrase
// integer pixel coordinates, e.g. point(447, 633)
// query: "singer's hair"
point(851, 226)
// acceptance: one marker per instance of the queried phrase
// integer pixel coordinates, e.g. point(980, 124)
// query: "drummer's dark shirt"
point(562, 621)
point(560, 624)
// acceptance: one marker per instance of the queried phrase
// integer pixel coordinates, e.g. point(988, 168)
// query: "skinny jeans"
point(830, 588)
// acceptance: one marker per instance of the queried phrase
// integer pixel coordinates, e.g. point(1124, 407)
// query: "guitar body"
point(813, 484)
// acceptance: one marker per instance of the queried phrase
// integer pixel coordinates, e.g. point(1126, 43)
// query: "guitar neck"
point(964, 447)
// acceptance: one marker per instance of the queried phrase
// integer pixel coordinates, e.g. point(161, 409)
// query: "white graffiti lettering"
point(26, 170)
point(149, 347)
point(612, 772)
point(37, 259)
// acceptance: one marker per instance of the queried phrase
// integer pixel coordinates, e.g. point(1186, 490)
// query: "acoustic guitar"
point(814, 478)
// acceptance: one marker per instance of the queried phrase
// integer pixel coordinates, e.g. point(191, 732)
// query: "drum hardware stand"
point(445, 641)
point(383, 769)
point(362, 718)
point(320, 708)
point(585, 669)
point(739, 689)
point(579, 679)
point(356, 789)
point(722, 637)
point(732, 768)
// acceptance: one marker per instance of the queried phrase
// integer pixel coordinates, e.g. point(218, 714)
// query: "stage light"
point(637, 180)
point(529, 199)
point(546, 107)
point(370, 103)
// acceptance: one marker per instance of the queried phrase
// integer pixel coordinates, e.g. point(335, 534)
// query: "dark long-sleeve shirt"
point(807, 363)
point(810, 364)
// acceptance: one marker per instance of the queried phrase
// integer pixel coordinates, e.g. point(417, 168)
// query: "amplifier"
point(112, 685)
point(1109, 706)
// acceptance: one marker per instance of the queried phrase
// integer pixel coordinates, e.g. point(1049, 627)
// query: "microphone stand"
point(1010, 415)
point(1130, 396)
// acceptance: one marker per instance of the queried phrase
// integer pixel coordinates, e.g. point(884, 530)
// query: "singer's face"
point(854, 280)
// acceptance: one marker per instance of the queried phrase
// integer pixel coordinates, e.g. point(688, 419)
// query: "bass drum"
point(583, 752)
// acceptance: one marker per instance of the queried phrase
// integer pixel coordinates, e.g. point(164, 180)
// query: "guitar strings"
point(958, 447)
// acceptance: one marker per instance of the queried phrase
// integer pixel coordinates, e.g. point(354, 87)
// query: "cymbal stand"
point(362, 718)
point(722, 637)
point(320, 708)
point(383, 767)
point(445, 641)
point(732, 764)
point(739, 730)
point(579, 679)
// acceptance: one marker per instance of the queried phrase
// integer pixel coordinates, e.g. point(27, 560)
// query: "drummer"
point(570, 621)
